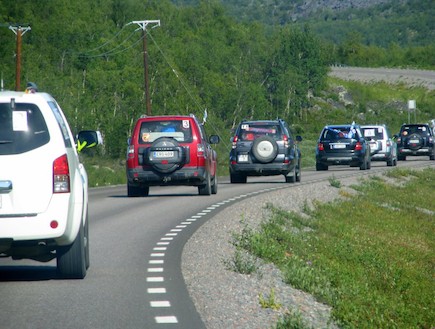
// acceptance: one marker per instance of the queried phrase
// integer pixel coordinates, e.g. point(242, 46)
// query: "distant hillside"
point(379, 22)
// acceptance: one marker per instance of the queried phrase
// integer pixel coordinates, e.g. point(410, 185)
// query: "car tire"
point(214, 185)
point(166, 166)
point(237, 178)
point(137, 191)
point(363, 165)
point(415, 146)
point(87, 257)
point(71, 260)
point(292, 178)
point(321, 166)
point(264, 149)
point(390, 161)
point(298, 173)
point(205, 189)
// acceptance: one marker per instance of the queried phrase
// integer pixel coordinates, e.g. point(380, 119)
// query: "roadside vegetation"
point(370, 255)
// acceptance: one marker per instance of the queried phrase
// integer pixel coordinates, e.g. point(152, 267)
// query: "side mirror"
point(214, 139)
point(88, 139)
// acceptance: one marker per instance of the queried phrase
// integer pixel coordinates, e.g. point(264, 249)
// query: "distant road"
point(422, 78)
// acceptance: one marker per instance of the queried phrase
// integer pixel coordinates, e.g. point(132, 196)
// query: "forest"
point(89, 55)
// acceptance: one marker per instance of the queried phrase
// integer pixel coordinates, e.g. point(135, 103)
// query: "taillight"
point(61, 182)
point(130, 151)
point(320, 147)
point(201, 150)
point(399, 140)
point(285, 139)
point(358, 146)
point(235, 139)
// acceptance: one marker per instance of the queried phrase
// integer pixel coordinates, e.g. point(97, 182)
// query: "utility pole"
point(19, 32)
point(143, 25)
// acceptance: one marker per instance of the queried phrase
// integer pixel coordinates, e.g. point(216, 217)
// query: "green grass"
point(371, 256)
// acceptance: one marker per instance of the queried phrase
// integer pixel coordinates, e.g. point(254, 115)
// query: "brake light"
point(130, 151)
point(61, 183)
point(201, 150)
point(358, 146)
point(320, 147)
point(235, 139)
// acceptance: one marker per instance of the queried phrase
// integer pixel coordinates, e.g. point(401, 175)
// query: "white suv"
point(382, 146)
point(43, 185)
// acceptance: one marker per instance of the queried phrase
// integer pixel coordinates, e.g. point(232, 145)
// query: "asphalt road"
point(135, 278)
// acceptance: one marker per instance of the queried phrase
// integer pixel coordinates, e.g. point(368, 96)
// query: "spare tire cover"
point(265, 149)
point(415, 142)
point(165, 155)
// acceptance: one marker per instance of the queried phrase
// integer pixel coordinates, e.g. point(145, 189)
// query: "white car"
point(43, 185)
point(382, 147)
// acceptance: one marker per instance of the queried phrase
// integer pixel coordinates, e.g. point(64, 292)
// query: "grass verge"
point(370, 256)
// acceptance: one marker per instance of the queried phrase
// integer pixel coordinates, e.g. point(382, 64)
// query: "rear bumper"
point(340, 159)
point(422, 151)
point(184, 176)
point(261, 169)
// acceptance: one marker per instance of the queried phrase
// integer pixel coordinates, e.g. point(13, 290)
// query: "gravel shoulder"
point(226, 299)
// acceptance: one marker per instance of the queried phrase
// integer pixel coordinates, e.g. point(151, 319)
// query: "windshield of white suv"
point(249, 132)
point(180, 130)
point(22, 129)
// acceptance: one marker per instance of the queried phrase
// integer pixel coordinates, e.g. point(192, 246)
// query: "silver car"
point(382, 147)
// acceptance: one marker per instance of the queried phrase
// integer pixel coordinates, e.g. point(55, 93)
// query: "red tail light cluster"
point(61, 182)
point(320, 147)
point(235, 139)
point(358, 146)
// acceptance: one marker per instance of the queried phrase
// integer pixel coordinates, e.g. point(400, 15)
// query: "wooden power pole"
point(19, 31)
point(143, 25)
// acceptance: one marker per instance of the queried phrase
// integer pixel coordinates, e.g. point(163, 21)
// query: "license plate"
point(414, 141)
point(338, 146)
point(163, 154)
point(243, 158)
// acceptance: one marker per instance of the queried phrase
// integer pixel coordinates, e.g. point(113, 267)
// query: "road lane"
point(118, 291)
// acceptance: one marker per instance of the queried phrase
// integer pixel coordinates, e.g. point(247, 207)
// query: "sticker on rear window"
point(186, 124)
point(19, 121)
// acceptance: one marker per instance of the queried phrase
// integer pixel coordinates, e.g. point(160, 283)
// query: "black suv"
point(265, 148)
point(342, 145)
point(415, 139)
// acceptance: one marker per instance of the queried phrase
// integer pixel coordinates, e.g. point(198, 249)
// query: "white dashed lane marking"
point(166, 241)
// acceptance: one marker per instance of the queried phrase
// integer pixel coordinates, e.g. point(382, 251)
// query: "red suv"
point(171, 150)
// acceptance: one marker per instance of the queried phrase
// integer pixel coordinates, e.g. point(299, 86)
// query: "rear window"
point(180, 130)
point(335, 133)
point(22, 128)
point(421, 130)
point(248, 132)
point(376, 133)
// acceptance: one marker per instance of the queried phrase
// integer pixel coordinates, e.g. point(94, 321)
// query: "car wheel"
point(206, 188)
point(137, 191)
point(87, 258)
point(432, 156)
point(165, 163)
point(390, 161)
point(415, 142)
point(237, 178)
point(265, 149)
point(298, 173)
point(321, 166)
point(363, 165)
point(293, 176)
point(71, 260)
point(214, 185)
